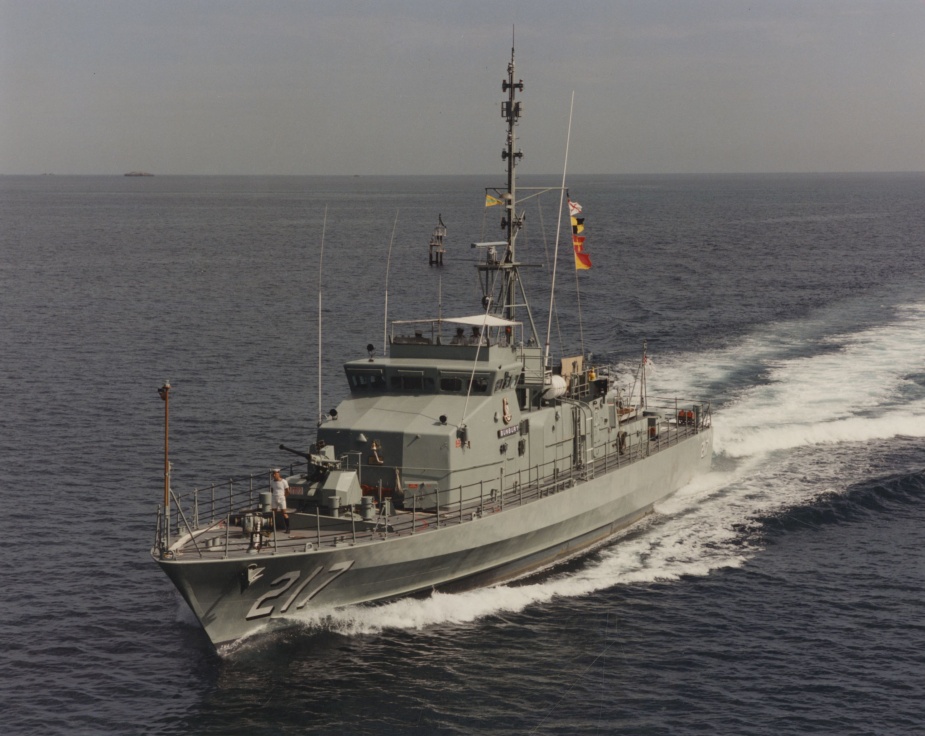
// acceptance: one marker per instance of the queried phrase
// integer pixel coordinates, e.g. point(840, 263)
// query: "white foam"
point(751, 441)
point(853, 390)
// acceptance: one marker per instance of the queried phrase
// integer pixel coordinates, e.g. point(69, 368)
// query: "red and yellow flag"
point(582, 259)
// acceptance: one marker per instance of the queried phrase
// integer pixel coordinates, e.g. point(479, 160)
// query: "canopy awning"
point(481, 320)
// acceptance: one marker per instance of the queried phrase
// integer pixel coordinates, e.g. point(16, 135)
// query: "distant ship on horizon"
point(138, 173)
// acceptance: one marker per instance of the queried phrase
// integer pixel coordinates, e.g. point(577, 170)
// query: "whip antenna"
point(388, 264)
point(324, 224)
point(555, 257)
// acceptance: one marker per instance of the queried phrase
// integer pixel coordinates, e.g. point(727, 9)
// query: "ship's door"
point(578, 451)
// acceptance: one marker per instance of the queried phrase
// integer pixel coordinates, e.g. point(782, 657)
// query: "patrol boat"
point(461, 459)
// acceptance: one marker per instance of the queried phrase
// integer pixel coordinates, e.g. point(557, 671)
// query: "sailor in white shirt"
point(280, 488)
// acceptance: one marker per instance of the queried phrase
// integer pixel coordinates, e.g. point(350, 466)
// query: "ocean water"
point(779, 594)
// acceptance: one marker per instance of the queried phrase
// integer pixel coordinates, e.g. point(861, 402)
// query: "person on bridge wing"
point(279, 486)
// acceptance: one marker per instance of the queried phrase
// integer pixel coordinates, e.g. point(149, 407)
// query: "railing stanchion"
point(273, 514)
point(227, 533)
point(318, 524)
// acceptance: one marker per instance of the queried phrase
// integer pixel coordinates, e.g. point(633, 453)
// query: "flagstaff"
point(164, 393)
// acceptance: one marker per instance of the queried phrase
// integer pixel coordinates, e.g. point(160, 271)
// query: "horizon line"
point(382, 176)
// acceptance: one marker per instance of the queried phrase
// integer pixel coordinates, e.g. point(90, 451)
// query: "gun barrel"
point(295, 452)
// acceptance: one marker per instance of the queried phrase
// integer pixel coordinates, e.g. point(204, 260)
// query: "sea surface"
point(783, 593)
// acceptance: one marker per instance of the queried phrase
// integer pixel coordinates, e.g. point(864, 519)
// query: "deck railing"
point(204, 511)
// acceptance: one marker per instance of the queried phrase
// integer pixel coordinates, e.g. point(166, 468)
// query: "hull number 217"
point(302, 593)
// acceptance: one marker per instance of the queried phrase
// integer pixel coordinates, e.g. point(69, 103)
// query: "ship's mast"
point(510, 291)
point(502, 289)
point(510, 110)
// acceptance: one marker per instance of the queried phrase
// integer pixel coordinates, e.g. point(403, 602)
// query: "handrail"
point(541, 480)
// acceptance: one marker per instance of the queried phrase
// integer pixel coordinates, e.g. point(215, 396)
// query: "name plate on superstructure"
point(508, 431)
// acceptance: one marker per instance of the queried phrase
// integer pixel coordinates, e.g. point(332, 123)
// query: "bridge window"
point(412, 381)
point(407, 383)
point(451, 384)
point(479, 385)
point(365, 381)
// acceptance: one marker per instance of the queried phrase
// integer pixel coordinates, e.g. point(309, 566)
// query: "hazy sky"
point(413, 86)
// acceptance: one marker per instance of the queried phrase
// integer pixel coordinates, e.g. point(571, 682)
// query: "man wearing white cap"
point(280, 488)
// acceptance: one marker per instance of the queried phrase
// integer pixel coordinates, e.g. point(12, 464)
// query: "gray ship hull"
point(464, 456)
point(239, 595)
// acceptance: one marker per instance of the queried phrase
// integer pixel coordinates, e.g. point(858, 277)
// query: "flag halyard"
point(582, 259)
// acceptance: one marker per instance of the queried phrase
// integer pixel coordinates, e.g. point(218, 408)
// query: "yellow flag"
point(491, 201)
point(582, 261)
